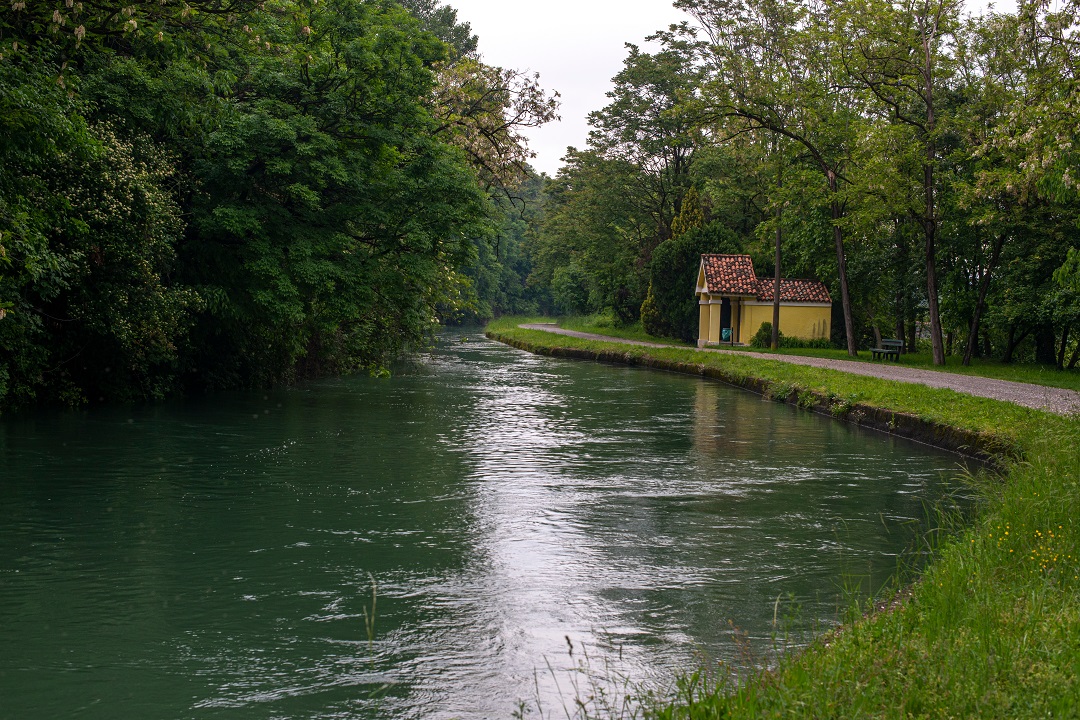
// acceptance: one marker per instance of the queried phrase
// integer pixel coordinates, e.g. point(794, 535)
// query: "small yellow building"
point(734, 302)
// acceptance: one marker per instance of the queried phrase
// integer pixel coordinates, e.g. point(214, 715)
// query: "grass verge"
point(990, 628)
point(603, 325)
point(1017, 372)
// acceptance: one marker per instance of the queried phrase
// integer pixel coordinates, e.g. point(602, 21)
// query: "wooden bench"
point(889, 349)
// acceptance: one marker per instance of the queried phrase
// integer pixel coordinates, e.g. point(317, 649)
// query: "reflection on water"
point(215, 558)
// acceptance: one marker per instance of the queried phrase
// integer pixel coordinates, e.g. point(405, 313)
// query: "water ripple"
point(216, 557)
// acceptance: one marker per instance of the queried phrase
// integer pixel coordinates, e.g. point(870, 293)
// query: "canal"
point(465, 536)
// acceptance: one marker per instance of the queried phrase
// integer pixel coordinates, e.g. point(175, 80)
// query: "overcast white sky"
point(577, 46)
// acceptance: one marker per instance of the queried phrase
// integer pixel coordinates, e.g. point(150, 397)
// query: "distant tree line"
point(201, 194)
point(923, 163)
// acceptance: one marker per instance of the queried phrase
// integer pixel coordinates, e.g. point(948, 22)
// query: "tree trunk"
point(1012, 343)
point(841, 263)
point(775, 342)
point(912, 345)
point(901, 296)
point(984, 285)
point(1075, 356)
point(929, 216)
point(1064, 344)
point(930, 228)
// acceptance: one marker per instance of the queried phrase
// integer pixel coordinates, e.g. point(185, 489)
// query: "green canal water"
point(214, 558)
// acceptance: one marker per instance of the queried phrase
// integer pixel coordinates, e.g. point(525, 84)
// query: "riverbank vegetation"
point(199, 195)
point(986, 631)
point(218, 194)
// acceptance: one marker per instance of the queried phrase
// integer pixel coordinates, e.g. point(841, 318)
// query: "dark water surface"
point(213, 558)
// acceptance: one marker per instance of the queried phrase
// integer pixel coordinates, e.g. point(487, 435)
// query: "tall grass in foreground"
point(990, 629)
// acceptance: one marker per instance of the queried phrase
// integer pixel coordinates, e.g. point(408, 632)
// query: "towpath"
point(1040, 397)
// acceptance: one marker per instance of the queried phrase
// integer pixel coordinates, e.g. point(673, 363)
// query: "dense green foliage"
point(762, 339)
point(216, 194)
point(673, 269)
point(610, 206)
point(207, 194)
point(503, 261)
point(920, 162)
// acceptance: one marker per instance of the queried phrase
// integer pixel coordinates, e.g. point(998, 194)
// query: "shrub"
point(672, 274)
point(794, 342)
point(763, 339)
point(651, 319)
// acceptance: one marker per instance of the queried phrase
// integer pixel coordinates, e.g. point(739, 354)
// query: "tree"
point(1016, 125)
point(1067, 300)
point(596, 223)
point(660, 318)
point(774, 69)
point(88, 226)
point(673, 272)
point(645, 126)
point(900, 54)
point(228, 193)
point(499, 272)
point(330, 218)
point(441, 20)
point(484, 109)
point(614, 202)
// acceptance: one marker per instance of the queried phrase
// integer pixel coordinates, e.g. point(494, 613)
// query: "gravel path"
point(1040, 397)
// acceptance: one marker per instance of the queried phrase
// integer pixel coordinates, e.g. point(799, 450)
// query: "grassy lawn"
point(990, 628)
point(1028, 373)
point(604, 326)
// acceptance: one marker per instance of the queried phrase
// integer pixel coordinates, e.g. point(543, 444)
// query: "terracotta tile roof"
point(794, 291)
point(734, 275)
point(730, 274)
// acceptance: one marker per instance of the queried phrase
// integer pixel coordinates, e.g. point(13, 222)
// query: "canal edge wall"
point(989, 449)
